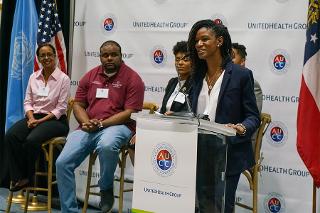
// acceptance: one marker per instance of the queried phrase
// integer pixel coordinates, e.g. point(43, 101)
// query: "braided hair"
point(199, 66)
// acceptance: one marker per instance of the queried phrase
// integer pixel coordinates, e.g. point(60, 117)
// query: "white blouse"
point(207, 104)
point(174, 95)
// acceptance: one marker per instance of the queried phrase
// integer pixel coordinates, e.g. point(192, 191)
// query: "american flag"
point(49, 31)
point(308, 118)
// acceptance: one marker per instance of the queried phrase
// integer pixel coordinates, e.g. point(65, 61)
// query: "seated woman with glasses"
point(45, 107)
point(175, 97)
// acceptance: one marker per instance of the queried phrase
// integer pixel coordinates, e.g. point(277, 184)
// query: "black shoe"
point(107, 200)
point(19, 185)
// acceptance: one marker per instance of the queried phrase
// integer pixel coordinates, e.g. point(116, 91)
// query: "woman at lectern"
point(223, 92)
point(175, 99)
point(45, 107)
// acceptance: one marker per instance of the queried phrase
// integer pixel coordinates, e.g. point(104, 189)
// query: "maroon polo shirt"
point(126, 91)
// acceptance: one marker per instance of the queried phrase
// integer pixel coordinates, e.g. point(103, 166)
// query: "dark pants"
point(211, 161)
point(24, 144)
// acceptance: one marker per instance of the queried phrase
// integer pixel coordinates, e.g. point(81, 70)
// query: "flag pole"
point(314, 199)
point(71, 32)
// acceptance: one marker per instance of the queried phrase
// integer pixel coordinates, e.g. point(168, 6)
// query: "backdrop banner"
point(273, 32)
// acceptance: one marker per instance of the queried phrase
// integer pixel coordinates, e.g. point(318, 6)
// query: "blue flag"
point(21, 61)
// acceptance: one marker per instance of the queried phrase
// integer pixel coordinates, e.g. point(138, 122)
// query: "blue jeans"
point(80, 144)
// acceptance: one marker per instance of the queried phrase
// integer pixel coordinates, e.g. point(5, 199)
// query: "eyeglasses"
point(48, 55)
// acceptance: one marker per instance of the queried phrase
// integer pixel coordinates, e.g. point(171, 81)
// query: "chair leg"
point(255, 192)
point(50, 162)
point(86, 198)
point(9, 200)
point(122, 168)
point(26, 202)
point(131, 155)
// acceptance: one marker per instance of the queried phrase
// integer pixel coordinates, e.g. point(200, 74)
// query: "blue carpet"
point(15, 208)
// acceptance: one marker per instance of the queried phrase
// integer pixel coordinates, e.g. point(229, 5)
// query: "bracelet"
point(100, 125)
point(244, 128)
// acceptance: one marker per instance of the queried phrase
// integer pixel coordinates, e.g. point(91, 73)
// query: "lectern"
point(169, 162)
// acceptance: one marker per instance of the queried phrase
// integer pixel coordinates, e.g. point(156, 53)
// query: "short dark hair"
point(110, 42)
point(241, 49)
point(180, 47)
point(45, 45)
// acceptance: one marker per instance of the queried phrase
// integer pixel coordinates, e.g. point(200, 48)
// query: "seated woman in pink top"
point(45, 106)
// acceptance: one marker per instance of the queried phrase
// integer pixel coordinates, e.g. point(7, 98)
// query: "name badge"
point(181, 98)
point(102, 93)
point(43, 91)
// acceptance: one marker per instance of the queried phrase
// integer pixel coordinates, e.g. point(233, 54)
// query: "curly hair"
point(180, 47)
point(199, 66)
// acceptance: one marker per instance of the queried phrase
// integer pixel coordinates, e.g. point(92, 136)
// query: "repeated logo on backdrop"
point(108, 24)
point(78, 23)
point(164, 159)
point(219, 19)
point(279, 61)
point(158, 56)
point(89, 53)
point(280, 98)
point(277, 133)
point(287, 171)
point(282, 1)
point(160, 1)
point(274, 203)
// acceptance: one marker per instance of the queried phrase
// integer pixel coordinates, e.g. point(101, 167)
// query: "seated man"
point(239, 55)
point(105, 98)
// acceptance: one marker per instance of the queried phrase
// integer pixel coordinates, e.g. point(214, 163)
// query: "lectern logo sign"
point(164, 159)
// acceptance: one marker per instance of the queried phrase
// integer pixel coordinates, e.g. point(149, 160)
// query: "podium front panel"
point(165, 166)
point(211, 167)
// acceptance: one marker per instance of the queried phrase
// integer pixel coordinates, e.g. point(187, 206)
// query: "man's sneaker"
point(107, 200)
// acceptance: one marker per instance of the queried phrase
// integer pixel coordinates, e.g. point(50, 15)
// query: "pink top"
point(125, 91)
point(53, 97)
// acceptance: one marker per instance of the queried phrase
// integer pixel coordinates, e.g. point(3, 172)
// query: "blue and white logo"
point(274, 203)
point(279, 61)
point(277, 133)
point(109, 24)
point(23, 56)
point(158, 56)
point(164, 159)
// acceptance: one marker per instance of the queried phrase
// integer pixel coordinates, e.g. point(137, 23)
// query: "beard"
point(111, 68)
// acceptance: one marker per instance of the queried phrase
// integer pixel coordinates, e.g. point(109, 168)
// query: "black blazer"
point(236, 104)
point(176, 106)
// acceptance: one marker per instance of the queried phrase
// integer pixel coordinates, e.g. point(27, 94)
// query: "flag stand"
point(314, 199)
